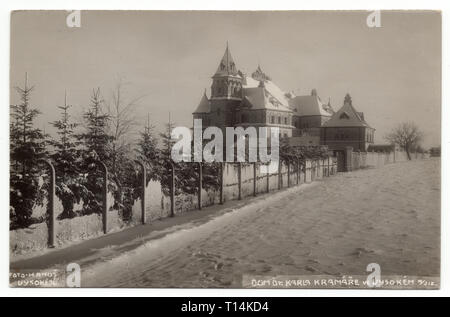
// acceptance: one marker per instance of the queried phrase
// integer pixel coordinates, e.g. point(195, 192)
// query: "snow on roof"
point(347, 116)
point(227, 65)
point(203, 106)
point(310, 105)
point(272, 98)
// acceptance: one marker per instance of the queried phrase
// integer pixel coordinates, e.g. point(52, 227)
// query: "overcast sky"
point(393, 73)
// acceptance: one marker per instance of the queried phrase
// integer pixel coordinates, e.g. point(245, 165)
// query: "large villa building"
point(241, 100)
point(237, 99)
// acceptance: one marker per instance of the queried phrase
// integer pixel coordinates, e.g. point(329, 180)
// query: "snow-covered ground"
point(390, 216)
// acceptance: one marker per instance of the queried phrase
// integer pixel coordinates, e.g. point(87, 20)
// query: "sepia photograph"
point(225, 149)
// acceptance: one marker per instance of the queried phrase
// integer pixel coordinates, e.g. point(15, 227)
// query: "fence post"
point(221, 183)
point(172, 189)
point(348, 158)
point(316, 169)
point(322, 168)
point(280, 166)
point(288, 174)
point(308, 171)
point(268, 177)
point(320, 172)
point(328, 168)
point(144, 185)
point(304, 170)
point(298, 171)
point(319, 168)
point(51, 205)
point(105, 197)
point(240, 180)
point(254, 178)
point(200, 185)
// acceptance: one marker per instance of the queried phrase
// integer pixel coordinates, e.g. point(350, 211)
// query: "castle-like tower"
point(226, 92)
point(245, 101)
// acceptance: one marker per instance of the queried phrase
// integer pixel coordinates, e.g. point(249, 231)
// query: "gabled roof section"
point(227, 66)
point(347, 116)
point(276, 98)
point(204, 105)
point(260, 98)
point(310, 105)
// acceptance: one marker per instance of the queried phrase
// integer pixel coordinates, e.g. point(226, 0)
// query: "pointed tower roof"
point(347, 116)
point(227, 66)
point(203, 106)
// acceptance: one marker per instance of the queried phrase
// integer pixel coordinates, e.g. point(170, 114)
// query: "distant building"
point(346, 128)
point(310, 113)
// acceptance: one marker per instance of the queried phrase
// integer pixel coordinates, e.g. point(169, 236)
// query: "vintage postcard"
point(225, 149)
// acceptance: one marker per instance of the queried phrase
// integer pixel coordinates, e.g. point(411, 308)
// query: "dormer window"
point(344, 115)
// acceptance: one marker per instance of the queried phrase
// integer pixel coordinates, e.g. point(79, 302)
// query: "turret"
point(227, 83)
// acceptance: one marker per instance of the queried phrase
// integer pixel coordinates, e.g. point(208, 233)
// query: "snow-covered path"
point(337, 226)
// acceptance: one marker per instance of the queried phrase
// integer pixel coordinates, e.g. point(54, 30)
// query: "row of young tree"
point(102, 135)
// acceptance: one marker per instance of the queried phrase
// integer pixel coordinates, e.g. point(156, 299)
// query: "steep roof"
point(270, 96)
point(227, 66)
point(310, 105)
point(347, 116)
point(203, 106)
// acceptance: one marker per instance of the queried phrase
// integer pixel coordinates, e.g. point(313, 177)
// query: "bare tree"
point(406, 135)
point(121, 111)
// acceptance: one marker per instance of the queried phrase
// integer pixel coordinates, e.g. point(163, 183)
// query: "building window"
point(272, 119)
point(279, 120)
point(285, 121)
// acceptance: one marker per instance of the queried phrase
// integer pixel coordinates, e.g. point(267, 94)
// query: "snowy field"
point(390, 216)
